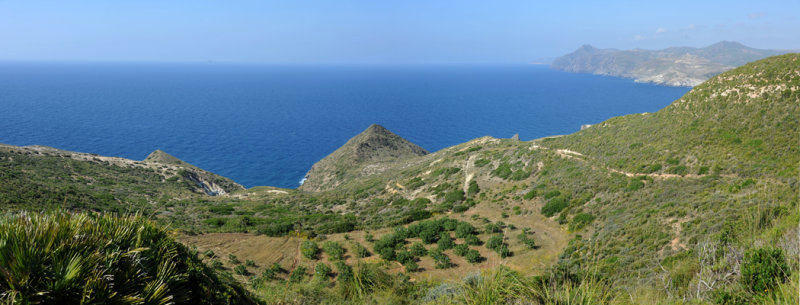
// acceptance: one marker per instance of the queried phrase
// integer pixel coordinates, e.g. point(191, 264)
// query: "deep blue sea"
point(267, 124)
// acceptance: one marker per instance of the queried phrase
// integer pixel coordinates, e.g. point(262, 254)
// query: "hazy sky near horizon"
point(377, 32)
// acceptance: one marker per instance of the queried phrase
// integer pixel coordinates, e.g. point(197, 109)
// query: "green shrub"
point(417, 249)
point(298, 274)
point(473, 256)
point(464, 229)
point(529, 195)
point(359, 250)
point(322, 270)
point(429, 235)
point(493, 228)
point(482, 162)
point(445, 241)
point(309, 249)
point(503, 170)
point(64, 258)
point(233, 259)
point(520, 175)
point(580, 220)
point(249, 263)
point(678, 170)
point(272, 272)
point(441, 260)
point(344, 271)
point(634, 185)
point(415, 183)
point(240, 270)
point(461, 249)
point(527, 241)
point(333, 250)
point(554, 206)
point(494, 242)
point(763, 269)
point(411, 266)
point(503, 251)
point(472, 240)
point(208, 253)
point(473, 188)
point(552, 194)
point(454, 196)
point(387, 253)
point(652, 168)
point(460, 208)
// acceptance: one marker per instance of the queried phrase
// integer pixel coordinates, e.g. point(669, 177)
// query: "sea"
point(263, 124)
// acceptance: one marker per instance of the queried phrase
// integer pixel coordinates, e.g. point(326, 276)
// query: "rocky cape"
point(363, 155)
point(675, 66)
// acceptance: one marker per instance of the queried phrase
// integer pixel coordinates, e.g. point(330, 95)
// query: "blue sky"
point(377, 32)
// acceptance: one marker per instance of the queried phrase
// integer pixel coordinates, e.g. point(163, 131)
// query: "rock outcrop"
point(207, 182)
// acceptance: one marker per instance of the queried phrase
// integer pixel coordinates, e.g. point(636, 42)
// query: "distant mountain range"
point(675, 66)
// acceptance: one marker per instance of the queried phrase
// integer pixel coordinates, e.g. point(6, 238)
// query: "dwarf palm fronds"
point(65, 258)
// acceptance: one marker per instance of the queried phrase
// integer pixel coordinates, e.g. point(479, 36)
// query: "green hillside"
point(694, 204)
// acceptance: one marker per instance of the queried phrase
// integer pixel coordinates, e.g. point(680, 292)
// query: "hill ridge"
point(361, 155)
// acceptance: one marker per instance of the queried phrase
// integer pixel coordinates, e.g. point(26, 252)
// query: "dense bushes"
point(555, 205)
point(333, 250)
point(309, 249)
point(763, 269)
point(580, 220)
point(78, 258)
point(392, 246)
point(497, 244)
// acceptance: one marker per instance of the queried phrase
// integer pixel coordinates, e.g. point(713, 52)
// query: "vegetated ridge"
point(362, 155)
point(675, 66)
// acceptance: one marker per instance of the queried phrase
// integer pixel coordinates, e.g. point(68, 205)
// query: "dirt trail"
point(569, 154)
point(469, 172)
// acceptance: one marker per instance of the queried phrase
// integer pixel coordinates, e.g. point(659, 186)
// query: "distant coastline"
point(676, 66)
